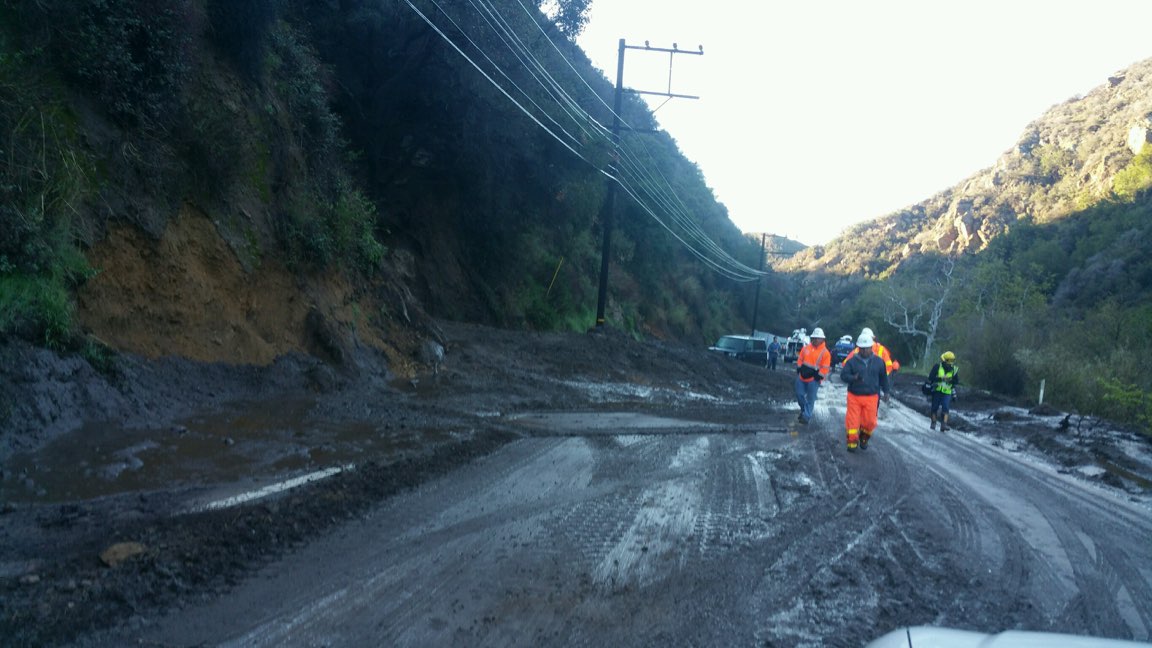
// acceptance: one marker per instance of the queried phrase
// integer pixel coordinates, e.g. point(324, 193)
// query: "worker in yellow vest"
point(945, 377)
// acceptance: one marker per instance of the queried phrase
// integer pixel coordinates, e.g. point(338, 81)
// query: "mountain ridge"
point(1063, 161)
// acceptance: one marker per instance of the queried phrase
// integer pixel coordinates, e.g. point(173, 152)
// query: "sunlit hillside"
point(1031, 270)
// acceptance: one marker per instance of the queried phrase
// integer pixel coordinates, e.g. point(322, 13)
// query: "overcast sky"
point(815, 115)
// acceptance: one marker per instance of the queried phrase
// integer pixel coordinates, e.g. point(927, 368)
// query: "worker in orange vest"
point(812, 367)
point(867, 380)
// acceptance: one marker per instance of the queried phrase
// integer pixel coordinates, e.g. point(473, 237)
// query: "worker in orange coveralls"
point(880, 351)
point(867, 377)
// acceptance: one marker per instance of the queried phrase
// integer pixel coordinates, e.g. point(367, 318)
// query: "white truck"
point(794, 343)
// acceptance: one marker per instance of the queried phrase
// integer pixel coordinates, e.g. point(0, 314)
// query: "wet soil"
point(95, 460)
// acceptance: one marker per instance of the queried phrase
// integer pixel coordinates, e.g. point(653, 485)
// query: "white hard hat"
point(865, 339)
point(867, 331)
point(818, 332)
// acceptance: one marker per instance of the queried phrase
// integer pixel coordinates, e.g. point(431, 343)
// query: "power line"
point(682, 218)
point(493, 81)
point(654, 196)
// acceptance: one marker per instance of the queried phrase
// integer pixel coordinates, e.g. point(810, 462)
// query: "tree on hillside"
point(915, 307)
point(570, 16)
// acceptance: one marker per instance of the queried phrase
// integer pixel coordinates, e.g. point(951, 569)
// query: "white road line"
point(271, 489)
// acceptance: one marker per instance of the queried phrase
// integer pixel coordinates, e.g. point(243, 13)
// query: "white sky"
point(817, 114)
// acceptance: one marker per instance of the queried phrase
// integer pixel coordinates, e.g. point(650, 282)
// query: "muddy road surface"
point(649, 531)
point(608, 493)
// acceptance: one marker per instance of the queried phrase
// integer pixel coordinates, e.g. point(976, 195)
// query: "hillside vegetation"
point(329, 174)
point(1032, 270)
point(235, 180)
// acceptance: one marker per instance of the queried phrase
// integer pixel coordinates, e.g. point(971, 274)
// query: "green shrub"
point(579, 319)
point(1053, 161)
point(1135, 177)
point(38, 307)
point(317, 232)
point(1127, 403)
point(44, 178)
point(1069, 378)
point(213, 141)
point(992, 363)
point(131, 53)
point(301, 81)
point(539, 314)
point(353, 218)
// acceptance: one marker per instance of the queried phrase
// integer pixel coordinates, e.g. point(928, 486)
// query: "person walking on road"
point(774, 352)
point(867, 379)
point(944, 377)
point(812, 367)
point(878, 350)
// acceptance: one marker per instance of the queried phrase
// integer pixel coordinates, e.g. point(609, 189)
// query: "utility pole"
point(608, 210)
point(756, 302)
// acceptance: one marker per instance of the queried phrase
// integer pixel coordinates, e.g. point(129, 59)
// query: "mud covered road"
point(666, 533)
point(604, 491)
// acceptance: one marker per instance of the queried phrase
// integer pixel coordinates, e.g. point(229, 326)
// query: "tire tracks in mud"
point(817, 587)
point(706, 538)
point(1079, 553)
point(423, 545)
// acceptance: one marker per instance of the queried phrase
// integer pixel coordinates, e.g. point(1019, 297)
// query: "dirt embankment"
point(187, 294)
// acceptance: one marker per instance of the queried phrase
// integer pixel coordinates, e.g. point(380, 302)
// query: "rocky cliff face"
point(1064, 162)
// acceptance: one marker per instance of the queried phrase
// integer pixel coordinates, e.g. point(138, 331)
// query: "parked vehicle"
point(843, 347)
point(745, 348)
point(794, 343)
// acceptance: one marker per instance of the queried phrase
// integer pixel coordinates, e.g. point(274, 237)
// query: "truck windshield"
point(730, 344)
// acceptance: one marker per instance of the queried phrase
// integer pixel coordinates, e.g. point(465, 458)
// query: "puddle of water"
point(253, 440)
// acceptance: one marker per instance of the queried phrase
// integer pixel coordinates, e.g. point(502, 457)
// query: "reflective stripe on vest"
point(806, 359)
point(941, 386)
point(884, 354)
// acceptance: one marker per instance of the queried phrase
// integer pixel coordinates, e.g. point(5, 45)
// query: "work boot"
point(944, 423)
point(864, 437)
point(933, 425)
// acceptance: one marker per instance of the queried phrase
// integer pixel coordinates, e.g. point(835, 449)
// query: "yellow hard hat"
point(948, 356)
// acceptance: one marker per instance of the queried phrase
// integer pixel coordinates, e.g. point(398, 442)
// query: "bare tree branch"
point(916, 310)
